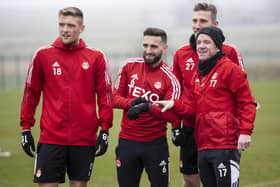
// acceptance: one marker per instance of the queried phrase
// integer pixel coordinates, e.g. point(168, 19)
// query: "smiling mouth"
point(66, 36)
point(150, 56)
point(202, 52)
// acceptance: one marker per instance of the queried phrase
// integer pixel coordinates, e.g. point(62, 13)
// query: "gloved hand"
point(102, 143)
point(27, 142)
point(133, 112)
point(138, 100)
point(178, 136)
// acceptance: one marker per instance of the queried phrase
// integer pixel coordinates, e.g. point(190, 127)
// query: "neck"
point(205, 66)
point(155, 64)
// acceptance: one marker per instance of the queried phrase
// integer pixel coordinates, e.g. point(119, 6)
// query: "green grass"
point(258, 165)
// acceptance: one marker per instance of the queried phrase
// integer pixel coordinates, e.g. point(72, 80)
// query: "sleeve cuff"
point(245, 131)
point(105, 126)
point(26, 127)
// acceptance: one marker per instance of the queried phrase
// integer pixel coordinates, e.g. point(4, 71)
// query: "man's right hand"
point(133, 112)
point(27, 142)
point(138, 100)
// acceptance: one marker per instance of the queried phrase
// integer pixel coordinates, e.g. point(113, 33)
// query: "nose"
point(64, 28)
point(200, 45)
point(148, 49)
point(197, 25)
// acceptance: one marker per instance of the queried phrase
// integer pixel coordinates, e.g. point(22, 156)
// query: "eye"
point(145, 45)
point(154, 46)
point(71, 25)
point(203, 21)
point(207, 42)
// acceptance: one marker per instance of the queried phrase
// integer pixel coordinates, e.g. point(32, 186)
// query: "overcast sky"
point(259, 9)
point(33, 23)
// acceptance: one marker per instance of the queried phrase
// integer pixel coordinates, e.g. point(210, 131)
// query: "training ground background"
point(116, 28)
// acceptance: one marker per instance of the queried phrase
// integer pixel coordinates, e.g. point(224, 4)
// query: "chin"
point(68, 42)
point(202, 58)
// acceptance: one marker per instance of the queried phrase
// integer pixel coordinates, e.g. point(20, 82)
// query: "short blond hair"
point(207, 7)
point(71, 11)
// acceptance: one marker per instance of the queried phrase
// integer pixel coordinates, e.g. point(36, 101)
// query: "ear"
point(216, 23)
point(165, 47)
point(82, 28)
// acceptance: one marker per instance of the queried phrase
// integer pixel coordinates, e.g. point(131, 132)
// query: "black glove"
point(178, 137)
point(138, 100)
point(133, 112)
point(102, 143)
point(27, 141)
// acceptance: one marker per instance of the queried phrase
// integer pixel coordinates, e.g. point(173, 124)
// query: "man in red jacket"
point(142, 139)
point(184, 66)
point(70, 76)
point(221, 103)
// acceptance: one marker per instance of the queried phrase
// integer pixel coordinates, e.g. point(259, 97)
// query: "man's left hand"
point(244, 141)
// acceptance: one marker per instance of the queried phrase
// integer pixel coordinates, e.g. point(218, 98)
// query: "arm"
point(246, 107)
point(32, 93)
point(31, 98)
point(176, 69)
point(104, 94)
point(176, 106)
point(173, 92)
point(169, 116)
point(119, 99)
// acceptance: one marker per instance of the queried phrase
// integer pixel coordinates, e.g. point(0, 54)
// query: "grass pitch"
point(260, 164)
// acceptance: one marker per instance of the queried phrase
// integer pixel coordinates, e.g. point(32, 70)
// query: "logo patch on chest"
point(157, 85)
point(85, 65)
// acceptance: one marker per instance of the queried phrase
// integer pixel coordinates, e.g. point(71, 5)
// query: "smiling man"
point(70, 76)
point(223, 109)
point(142, 139)
point(185, 64)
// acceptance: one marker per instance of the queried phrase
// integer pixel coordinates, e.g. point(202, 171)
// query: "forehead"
point(204, 37)
point(202, 14)
point(69, 19)
point(152, 39)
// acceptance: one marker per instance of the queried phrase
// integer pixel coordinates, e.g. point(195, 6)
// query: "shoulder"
point(132, 63)
point(184, 49)
point(167, 72)
point(135, 60)
point(43, 51)
point(227, 47)
point(229, 66)
point(94, 51)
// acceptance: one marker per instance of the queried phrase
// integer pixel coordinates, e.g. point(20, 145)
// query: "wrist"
point(104, 131)
point(26, 127)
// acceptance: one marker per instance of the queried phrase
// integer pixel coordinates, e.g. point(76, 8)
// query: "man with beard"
point(142, 139)
point(185, 64)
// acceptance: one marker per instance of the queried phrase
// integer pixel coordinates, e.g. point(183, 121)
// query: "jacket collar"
point(58, 44)
point(192, 42)
point(151, 68)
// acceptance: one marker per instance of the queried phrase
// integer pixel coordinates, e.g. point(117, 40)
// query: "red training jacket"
point(137, 79)
point(222, 105)
point(185, 63)
point(69, 77)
